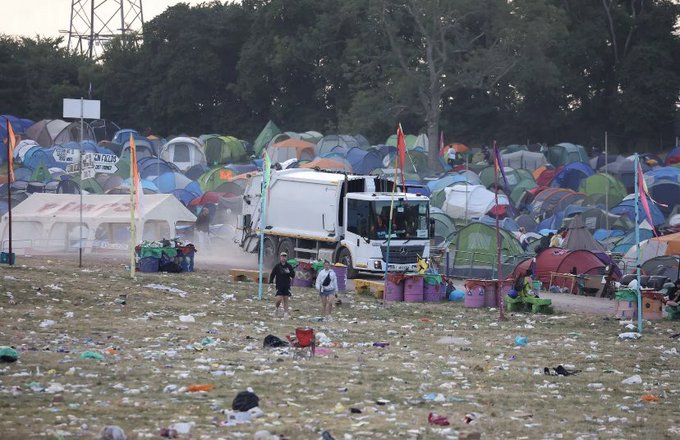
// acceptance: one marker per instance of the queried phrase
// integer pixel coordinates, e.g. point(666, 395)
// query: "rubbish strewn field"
point(463, 359)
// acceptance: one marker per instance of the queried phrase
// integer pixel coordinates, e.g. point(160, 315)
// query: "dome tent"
point(184, 152)
point(475, 254)
point(220, 150)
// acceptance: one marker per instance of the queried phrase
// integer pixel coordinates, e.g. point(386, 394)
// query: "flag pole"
point(80, 161)
point(133, 228)
point(263, 210)
point(499, 270)
point(266, 170)
point(637, 241)
point(9, 186)
point(397, 164)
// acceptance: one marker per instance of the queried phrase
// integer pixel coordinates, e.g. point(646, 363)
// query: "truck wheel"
point(269, 252)
point(286, 245)
point(345, 258)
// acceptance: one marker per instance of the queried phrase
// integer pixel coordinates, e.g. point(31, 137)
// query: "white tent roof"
point(524, 159)
point(470, 201)
point(100, 207)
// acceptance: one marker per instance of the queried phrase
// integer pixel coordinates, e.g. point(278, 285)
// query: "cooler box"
point(7, 258)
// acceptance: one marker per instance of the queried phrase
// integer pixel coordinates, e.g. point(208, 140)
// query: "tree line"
point(520, 71)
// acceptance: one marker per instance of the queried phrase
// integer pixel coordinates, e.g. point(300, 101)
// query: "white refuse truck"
point(312, 214)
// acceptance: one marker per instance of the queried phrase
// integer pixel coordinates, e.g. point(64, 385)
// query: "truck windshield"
point(409, 220)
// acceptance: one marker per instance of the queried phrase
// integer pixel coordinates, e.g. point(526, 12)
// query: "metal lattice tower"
point(94, 22)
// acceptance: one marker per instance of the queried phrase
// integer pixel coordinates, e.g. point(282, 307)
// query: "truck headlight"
point(377, 264)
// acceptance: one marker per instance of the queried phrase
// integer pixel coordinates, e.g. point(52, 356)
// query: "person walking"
point(202, 228)
point(283, 273)
point(327, 286)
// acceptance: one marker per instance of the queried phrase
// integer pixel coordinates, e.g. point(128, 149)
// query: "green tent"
point(268, 132)
point(123, 165)
point(89, 185)
point(518, 191)
point(597, 185)
point(214, 177)
point(444, 229)
point(486, 176)
point(221, 150)
point(475, 254)
point(566, 153)
point(41, 173)
point(409, 139)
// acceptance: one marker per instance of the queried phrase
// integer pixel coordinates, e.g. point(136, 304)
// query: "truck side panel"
point(304, 210)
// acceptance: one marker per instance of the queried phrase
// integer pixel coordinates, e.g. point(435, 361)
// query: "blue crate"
point(148, 264)
point(7, 258)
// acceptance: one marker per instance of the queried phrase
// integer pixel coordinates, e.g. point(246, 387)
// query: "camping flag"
point(11, 141)
point(643, 193)
point(135, 181)
point(266, 177)
point(401, 150)
point(498, 163)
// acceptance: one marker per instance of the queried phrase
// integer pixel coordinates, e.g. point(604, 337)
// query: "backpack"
point(327, 280)
point(271, 341)
point(244, 401)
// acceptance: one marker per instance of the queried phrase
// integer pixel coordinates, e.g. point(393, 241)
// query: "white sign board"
point(66, 155)
point(82, 108)
point(87, 170)
point(103, 163)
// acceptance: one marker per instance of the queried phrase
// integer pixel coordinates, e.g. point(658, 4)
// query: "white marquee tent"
point(50, 222)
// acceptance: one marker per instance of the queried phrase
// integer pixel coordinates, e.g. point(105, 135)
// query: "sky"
point(47, 17)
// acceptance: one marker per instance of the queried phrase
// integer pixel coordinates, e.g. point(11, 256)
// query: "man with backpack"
point(327, 285)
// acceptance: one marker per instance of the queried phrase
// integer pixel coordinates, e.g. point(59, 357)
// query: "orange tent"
point(291, 148)
point(328, 164)
point(672, 241)
point(458, 148)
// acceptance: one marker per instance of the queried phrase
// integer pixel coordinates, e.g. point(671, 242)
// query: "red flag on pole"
point(401, 150)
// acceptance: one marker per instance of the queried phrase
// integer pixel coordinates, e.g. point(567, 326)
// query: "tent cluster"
point(539, 190)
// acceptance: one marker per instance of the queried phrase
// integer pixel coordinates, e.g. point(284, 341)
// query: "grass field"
point(51, 392)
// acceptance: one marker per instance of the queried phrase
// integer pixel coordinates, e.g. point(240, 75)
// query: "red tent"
point(561, 261)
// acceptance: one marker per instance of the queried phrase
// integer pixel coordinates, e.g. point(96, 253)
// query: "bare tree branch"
point(612, 31)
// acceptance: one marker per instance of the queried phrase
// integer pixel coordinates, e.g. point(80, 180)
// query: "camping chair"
point(304, 339)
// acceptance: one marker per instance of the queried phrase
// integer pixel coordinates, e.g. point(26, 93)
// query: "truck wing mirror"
point(431, 227)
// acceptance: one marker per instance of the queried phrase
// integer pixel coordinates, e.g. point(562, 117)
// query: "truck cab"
point(367, 225)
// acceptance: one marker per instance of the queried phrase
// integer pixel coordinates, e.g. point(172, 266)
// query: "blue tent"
point(507, 223)
point(37, 155)
point(123, 136)
point(168, 182)
point(153, 166)
point(624, 244)
point(184, 196)
point(554, 222)
point(364, 161)
point(662, 173)
point(570, 176)
point(603, 234)
point(665, 192)
point(627, 206)
point(19, 125)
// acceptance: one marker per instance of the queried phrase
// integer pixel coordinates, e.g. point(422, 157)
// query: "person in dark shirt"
point(202, 228)
point(283, 273)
